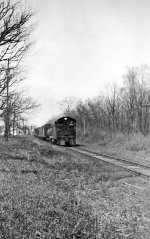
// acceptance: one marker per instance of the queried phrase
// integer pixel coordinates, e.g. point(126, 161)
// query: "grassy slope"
point(49, 193)
point(131, 146)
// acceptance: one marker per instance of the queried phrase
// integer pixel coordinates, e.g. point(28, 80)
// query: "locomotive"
point(62, 132)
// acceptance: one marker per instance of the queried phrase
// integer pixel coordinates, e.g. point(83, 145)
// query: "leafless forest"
point(121, 109)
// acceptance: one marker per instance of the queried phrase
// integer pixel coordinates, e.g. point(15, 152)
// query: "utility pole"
point(145, 124)
point(7, 101)
point(84, 126)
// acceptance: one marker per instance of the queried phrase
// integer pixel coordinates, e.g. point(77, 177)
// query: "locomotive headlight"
point(65, 118)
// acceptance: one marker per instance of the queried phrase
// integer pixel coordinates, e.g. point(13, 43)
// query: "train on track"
point(61, 132)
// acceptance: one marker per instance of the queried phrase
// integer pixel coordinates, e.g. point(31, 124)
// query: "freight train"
point(62, 132)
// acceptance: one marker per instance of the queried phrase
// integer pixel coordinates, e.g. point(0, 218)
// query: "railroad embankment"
point(135, 147)
point(48, 192)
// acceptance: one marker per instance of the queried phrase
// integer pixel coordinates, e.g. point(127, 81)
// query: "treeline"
point(16, 27)
point(125, 109)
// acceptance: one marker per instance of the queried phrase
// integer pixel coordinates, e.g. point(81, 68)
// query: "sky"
point(82, 47)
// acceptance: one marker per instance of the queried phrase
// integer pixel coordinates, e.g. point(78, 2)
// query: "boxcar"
point(42, 131)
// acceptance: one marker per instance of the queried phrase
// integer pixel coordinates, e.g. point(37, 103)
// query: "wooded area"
point(121, 109)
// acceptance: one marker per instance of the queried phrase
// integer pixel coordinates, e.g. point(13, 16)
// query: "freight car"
point(63, 131)
point(42, 131)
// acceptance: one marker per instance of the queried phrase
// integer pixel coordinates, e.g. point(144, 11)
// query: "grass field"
point(46, 192)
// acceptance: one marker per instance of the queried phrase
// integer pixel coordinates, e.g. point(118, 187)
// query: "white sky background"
point(83, 46)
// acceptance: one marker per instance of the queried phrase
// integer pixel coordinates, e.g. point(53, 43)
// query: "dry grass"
point(134, 147)
point(138, 142)
point(132, 142)
point(49, 193)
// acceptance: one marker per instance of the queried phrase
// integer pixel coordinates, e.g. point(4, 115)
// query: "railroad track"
point(126, 164)
point(123, 163)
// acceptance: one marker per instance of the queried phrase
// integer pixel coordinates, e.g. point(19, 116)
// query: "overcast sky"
point(83, 46)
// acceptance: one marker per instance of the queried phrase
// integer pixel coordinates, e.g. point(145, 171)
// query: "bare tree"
point(15, 29)
point(15, 42)
point(19, 104)
point(68, 103)
point(15, 36)
point(136, 95)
